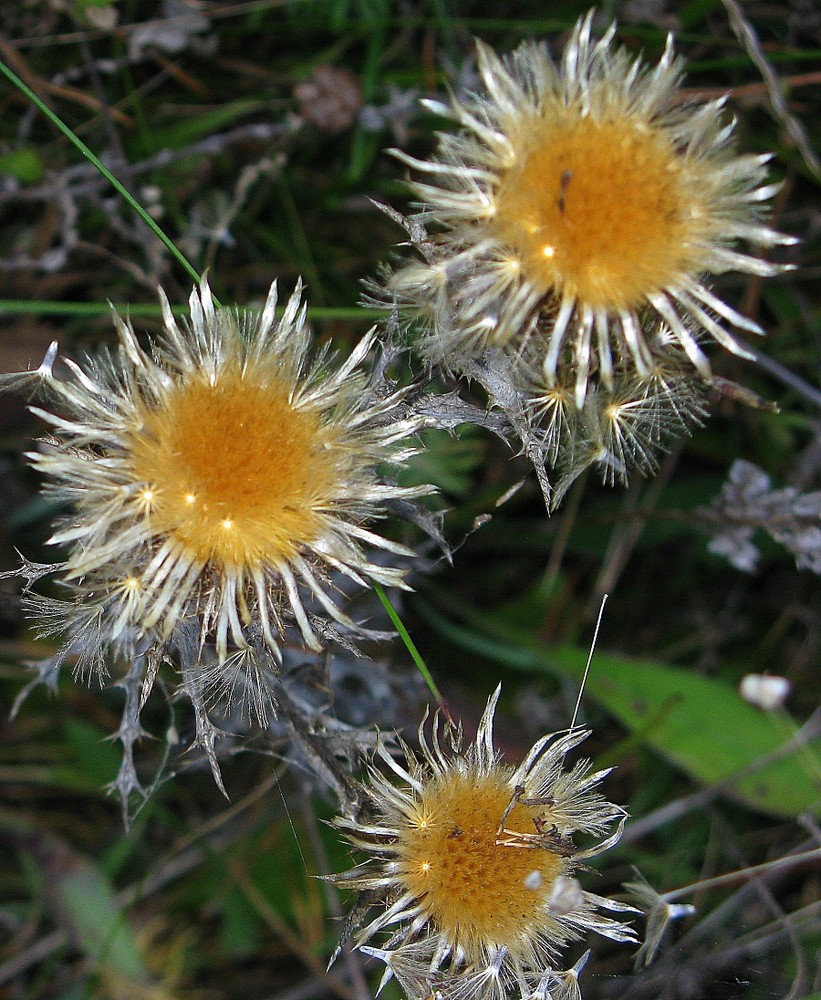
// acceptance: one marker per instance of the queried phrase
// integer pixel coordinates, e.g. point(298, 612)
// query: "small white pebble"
point(765, 691)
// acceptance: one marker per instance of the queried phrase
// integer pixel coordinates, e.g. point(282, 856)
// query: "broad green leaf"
point(704, 727)
point(701, 724)
point(240, 925)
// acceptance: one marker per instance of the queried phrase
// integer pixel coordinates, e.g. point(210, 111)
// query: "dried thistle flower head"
point(574, 200)
point(217, 485)
point(473, 862)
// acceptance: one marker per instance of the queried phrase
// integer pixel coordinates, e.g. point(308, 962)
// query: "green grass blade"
point(101, 168)
point(410, 645)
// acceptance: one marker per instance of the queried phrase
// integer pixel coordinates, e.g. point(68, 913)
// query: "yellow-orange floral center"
point(477, 891)
point(602, 211)
point(233, 470)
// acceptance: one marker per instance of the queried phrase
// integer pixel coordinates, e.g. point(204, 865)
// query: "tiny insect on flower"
point(474, 860)
point(219, 488)
point(575, 200)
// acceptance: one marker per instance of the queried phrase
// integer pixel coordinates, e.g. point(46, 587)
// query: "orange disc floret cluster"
point(473, 884)
point(236, 473)
point(605, 211)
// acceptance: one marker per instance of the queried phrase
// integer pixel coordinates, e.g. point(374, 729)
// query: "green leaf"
point(700, 724)
point(694, 12)
point(703, 726)
point(24, 164)
point(99, 926)
point(446, 461)
point(240, 927)
point(76, 991)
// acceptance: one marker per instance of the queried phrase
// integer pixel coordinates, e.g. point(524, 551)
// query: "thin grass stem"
point(98, 165)
point(416, 656)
